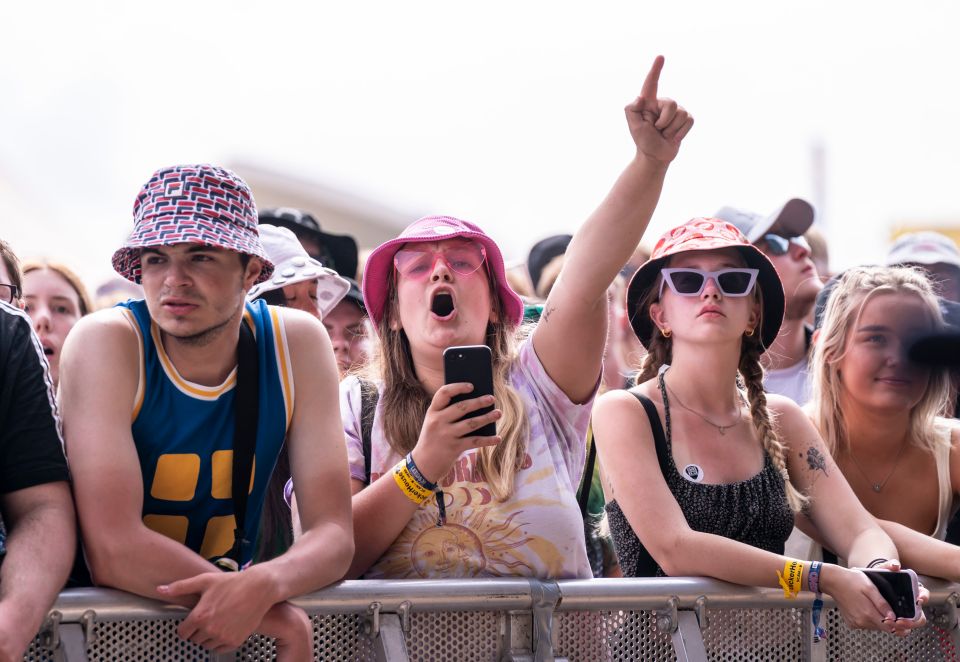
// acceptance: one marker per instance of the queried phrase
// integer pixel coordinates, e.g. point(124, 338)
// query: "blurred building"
point(337, 211)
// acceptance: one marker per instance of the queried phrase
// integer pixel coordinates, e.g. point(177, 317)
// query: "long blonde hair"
point(405, 401)
point(660, 352)
point(846, 303)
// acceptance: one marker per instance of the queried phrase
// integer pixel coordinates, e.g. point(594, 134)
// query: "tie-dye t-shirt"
point(537, 532)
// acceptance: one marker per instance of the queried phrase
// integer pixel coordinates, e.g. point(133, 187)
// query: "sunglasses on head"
point(733, 282)
point(780, 245)
point(416, 263)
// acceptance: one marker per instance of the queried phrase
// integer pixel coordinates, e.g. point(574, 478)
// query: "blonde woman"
point(440, 501)
point(878, 412)
point(704, 477)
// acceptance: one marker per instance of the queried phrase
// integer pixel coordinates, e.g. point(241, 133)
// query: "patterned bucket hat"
point(379, 265)
point(704, 234)
point(199, 204)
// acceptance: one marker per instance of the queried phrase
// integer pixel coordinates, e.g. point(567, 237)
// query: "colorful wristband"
point(415, 472)
point(813, 583)
point(791, 580)
point(409, 485)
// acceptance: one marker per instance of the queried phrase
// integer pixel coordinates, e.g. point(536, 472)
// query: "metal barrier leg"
point(73, 643)
point(389, 644)
point(546, 597)
point(687, 639)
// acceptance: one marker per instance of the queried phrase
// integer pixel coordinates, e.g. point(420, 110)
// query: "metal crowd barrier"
point(517, 620)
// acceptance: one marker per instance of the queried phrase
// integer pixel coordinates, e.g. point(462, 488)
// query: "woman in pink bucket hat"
point(714, 488)
point(438, 500)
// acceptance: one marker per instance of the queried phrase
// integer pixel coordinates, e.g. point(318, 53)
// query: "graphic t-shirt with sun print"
point(537, 532)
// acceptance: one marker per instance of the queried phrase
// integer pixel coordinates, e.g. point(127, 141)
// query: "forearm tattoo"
point(816, 461)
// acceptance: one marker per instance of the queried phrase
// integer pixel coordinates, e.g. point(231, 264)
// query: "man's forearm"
point(141, 560)
point(40, 550)
point(318, 558)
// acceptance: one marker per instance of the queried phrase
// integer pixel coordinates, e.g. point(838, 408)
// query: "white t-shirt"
point(537, 532)
point(792, 382)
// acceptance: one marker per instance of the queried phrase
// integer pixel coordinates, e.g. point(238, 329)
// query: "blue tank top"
point(184, 436)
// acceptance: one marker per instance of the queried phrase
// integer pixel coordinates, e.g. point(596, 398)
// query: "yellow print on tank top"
point(482, 537)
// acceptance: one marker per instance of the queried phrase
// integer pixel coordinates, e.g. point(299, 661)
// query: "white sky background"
point(505, 113)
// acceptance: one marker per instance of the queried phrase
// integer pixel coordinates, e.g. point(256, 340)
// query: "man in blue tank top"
point(149, 392)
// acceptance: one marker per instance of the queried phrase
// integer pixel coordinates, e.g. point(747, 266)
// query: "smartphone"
point(474, 364)
point(899, 589)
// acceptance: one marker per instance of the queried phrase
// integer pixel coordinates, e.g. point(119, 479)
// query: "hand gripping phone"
point(899, 589)
point(474, 364)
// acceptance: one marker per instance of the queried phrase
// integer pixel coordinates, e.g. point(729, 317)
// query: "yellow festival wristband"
point(791, 579)
point(409, 485)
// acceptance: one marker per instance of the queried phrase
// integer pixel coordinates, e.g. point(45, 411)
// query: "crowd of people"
point(251, 414)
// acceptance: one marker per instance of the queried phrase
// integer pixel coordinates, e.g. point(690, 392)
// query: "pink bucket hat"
point(379, 265)
point(199, 204)
point(704, 234)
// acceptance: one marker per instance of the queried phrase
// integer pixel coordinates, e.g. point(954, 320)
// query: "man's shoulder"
point(301, 329)
point(111, 333)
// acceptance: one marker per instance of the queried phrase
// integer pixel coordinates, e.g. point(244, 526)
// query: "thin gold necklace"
point(722, 429)
point(878, 486)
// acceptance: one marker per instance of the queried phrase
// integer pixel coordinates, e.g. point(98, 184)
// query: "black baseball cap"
point(338, 251)
point(542, 252)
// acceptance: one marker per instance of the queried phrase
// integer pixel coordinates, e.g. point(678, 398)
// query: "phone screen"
point(473, 364)
point(897, 589)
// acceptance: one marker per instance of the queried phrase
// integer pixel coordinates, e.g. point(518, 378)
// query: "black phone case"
point(897, 589)
point(474, 364)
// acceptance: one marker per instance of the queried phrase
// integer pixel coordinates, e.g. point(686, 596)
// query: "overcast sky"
point(509, 114)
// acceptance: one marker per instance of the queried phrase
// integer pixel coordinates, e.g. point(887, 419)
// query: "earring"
point(749, 332)
point(666, 333)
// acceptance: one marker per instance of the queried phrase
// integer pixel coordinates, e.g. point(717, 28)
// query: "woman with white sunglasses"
point(703, 470)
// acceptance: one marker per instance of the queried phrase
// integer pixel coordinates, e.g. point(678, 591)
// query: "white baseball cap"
point(792, 219)
point(924, 248)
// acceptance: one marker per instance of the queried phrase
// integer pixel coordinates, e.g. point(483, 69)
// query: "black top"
point(31, 448)
point(753, 511)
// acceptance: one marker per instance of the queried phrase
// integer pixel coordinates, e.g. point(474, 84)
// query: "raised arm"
point(575, 314)
point(632, 477)
point(99, 371)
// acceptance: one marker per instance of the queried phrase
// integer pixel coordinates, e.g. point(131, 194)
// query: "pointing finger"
point(649, 90)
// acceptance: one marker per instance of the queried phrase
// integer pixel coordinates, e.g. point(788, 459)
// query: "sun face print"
point(482, 537)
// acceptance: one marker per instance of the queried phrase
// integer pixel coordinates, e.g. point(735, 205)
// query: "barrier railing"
point(512, 620)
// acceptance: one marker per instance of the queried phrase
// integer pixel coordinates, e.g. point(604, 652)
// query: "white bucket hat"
point(292, 265)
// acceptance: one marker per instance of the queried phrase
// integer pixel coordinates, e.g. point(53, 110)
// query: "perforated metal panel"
point(931, 642)
point(748, 635)
point(470, 636)
point(141, 641)
point(37, 653)
point(611, 635)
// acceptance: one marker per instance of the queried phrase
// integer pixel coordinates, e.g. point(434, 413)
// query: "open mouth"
point(442, 304)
